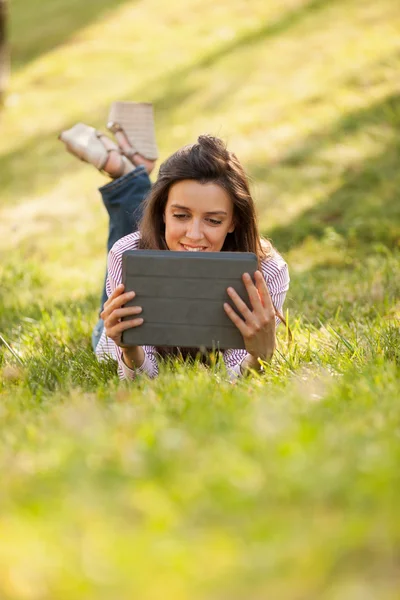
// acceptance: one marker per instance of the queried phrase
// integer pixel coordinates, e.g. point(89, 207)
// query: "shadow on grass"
point(356, 291)
point(33, 166)
point(167, 93)
point(40, 26)
point(386, 111)
point(53, 338)
point(55, 342)
point(364, 208)
point(22, 316)
point(180, 85)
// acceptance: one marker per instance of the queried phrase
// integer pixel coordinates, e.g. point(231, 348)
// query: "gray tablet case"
point(182, 296)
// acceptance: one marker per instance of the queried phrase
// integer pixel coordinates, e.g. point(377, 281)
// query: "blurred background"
point(305, 92)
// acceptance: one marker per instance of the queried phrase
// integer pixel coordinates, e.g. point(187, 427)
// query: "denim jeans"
point(123, 199)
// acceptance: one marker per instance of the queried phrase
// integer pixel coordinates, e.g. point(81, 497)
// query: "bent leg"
point(123, 199)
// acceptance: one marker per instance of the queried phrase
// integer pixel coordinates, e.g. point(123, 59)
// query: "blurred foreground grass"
point(281, 486)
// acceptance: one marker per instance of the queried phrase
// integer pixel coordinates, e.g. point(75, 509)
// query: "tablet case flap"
point(182, 296)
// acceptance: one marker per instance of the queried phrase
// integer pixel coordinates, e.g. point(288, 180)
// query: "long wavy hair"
point(206, 161)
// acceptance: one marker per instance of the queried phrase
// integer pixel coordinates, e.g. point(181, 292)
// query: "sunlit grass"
point(284, 485)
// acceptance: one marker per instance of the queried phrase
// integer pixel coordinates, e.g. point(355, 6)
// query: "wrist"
point(253, 361)
point(250, 362)
point(133, 356)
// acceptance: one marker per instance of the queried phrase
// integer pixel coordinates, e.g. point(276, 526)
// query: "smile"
point(193, 248)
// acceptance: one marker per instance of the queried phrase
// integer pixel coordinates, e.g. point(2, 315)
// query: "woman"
point(201, 202)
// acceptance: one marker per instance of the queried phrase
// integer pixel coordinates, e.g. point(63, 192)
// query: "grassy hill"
point(281, 486)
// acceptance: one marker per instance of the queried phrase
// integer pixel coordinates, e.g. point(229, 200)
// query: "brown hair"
point(206, 161)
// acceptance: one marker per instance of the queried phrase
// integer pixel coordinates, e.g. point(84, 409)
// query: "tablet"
point(182, 296)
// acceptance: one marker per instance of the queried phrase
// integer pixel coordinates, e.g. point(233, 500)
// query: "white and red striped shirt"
point(276, 276)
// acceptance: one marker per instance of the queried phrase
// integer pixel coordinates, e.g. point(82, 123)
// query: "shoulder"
point(114, 263)
point(275, 270)
point(129, 242)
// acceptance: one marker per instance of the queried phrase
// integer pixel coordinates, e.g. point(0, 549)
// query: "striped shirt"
point(276, 276)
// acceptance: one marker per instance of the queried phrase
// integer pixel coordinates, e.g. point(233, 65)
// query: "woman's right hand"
point(113, 312)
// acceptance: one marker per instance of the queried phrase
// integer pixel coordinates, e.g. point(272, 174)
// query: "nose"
point(194, 230)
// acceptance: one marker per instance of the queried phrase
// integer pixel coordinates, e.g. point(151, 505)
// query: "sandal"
point(86, 143)
point(136, 121)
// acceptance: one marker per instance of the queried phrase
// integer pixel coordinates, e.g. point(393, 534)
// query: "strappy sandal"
point(85, 142)
point(136, 121)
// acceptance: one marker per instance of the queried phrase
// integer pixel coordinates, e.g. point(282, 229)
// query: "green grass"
point(284, 485)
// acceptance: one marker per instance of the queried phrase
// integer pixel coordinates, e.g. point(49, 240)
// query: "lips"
point(193, 248)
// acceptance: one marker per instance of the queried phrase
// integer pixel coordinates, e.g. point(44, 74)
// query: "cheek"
point(173, 228)
point(217, 236)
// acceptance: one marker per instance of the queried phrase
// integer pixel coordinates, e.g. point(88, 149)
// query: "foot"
point(96, 149)
point(116, 164)
point(134, 157)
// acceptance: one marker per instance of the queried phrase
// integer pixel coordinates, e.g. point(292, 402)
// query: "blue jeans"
point(123, 199)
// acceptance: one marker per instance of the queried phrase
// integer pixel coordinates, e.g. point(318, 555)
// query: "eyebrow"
point(211, 212)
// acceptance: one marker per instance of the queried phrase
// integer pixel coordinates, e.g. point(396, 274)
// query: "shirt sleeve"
point(276, 275)
point(107, 348)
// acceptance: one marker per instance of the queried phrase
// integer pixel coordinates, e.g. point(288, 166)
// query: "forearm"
point(133, 357)
point(136, 361)
point(250, 362)
point(253, 362)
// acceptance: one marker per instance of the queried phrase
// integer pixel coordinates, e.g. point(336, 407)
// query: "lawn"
point(285, 485)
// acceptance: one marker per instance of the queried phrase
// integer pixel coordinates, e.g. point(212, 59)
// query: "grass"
point(284, 485)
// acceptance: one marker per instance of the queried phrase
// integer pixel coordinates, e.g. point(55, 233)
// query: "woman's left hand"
point(258, 326)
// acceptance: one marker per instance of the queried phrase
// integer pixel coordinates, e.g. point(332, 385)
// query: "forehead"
point(196, 196)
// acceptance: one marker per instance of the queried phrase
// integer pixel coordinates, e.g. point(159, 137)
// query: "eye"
point(214, 221)
point(180, 216)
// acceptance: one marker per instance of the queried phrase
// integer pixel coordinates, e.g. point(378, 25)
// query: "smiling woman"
point(198, 216)
point(201, 202)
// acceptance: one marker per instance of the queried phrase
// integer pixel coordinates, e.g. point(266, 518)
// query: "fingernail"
point(132, 294)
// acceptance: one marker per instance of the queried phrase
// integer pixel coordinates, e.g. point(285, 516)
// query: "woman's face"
point(198, 216)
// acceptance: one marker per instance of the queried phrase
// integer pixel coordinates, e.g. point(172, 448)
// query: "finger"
point(115, 332)
point(118, 290)
point(116, 302)
point(263, 291)
point(119, 313)
point(254, 296)
point(122, 299)
point(240, 304)
point(123, 325)
point(234, 317)
point(112, 320)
